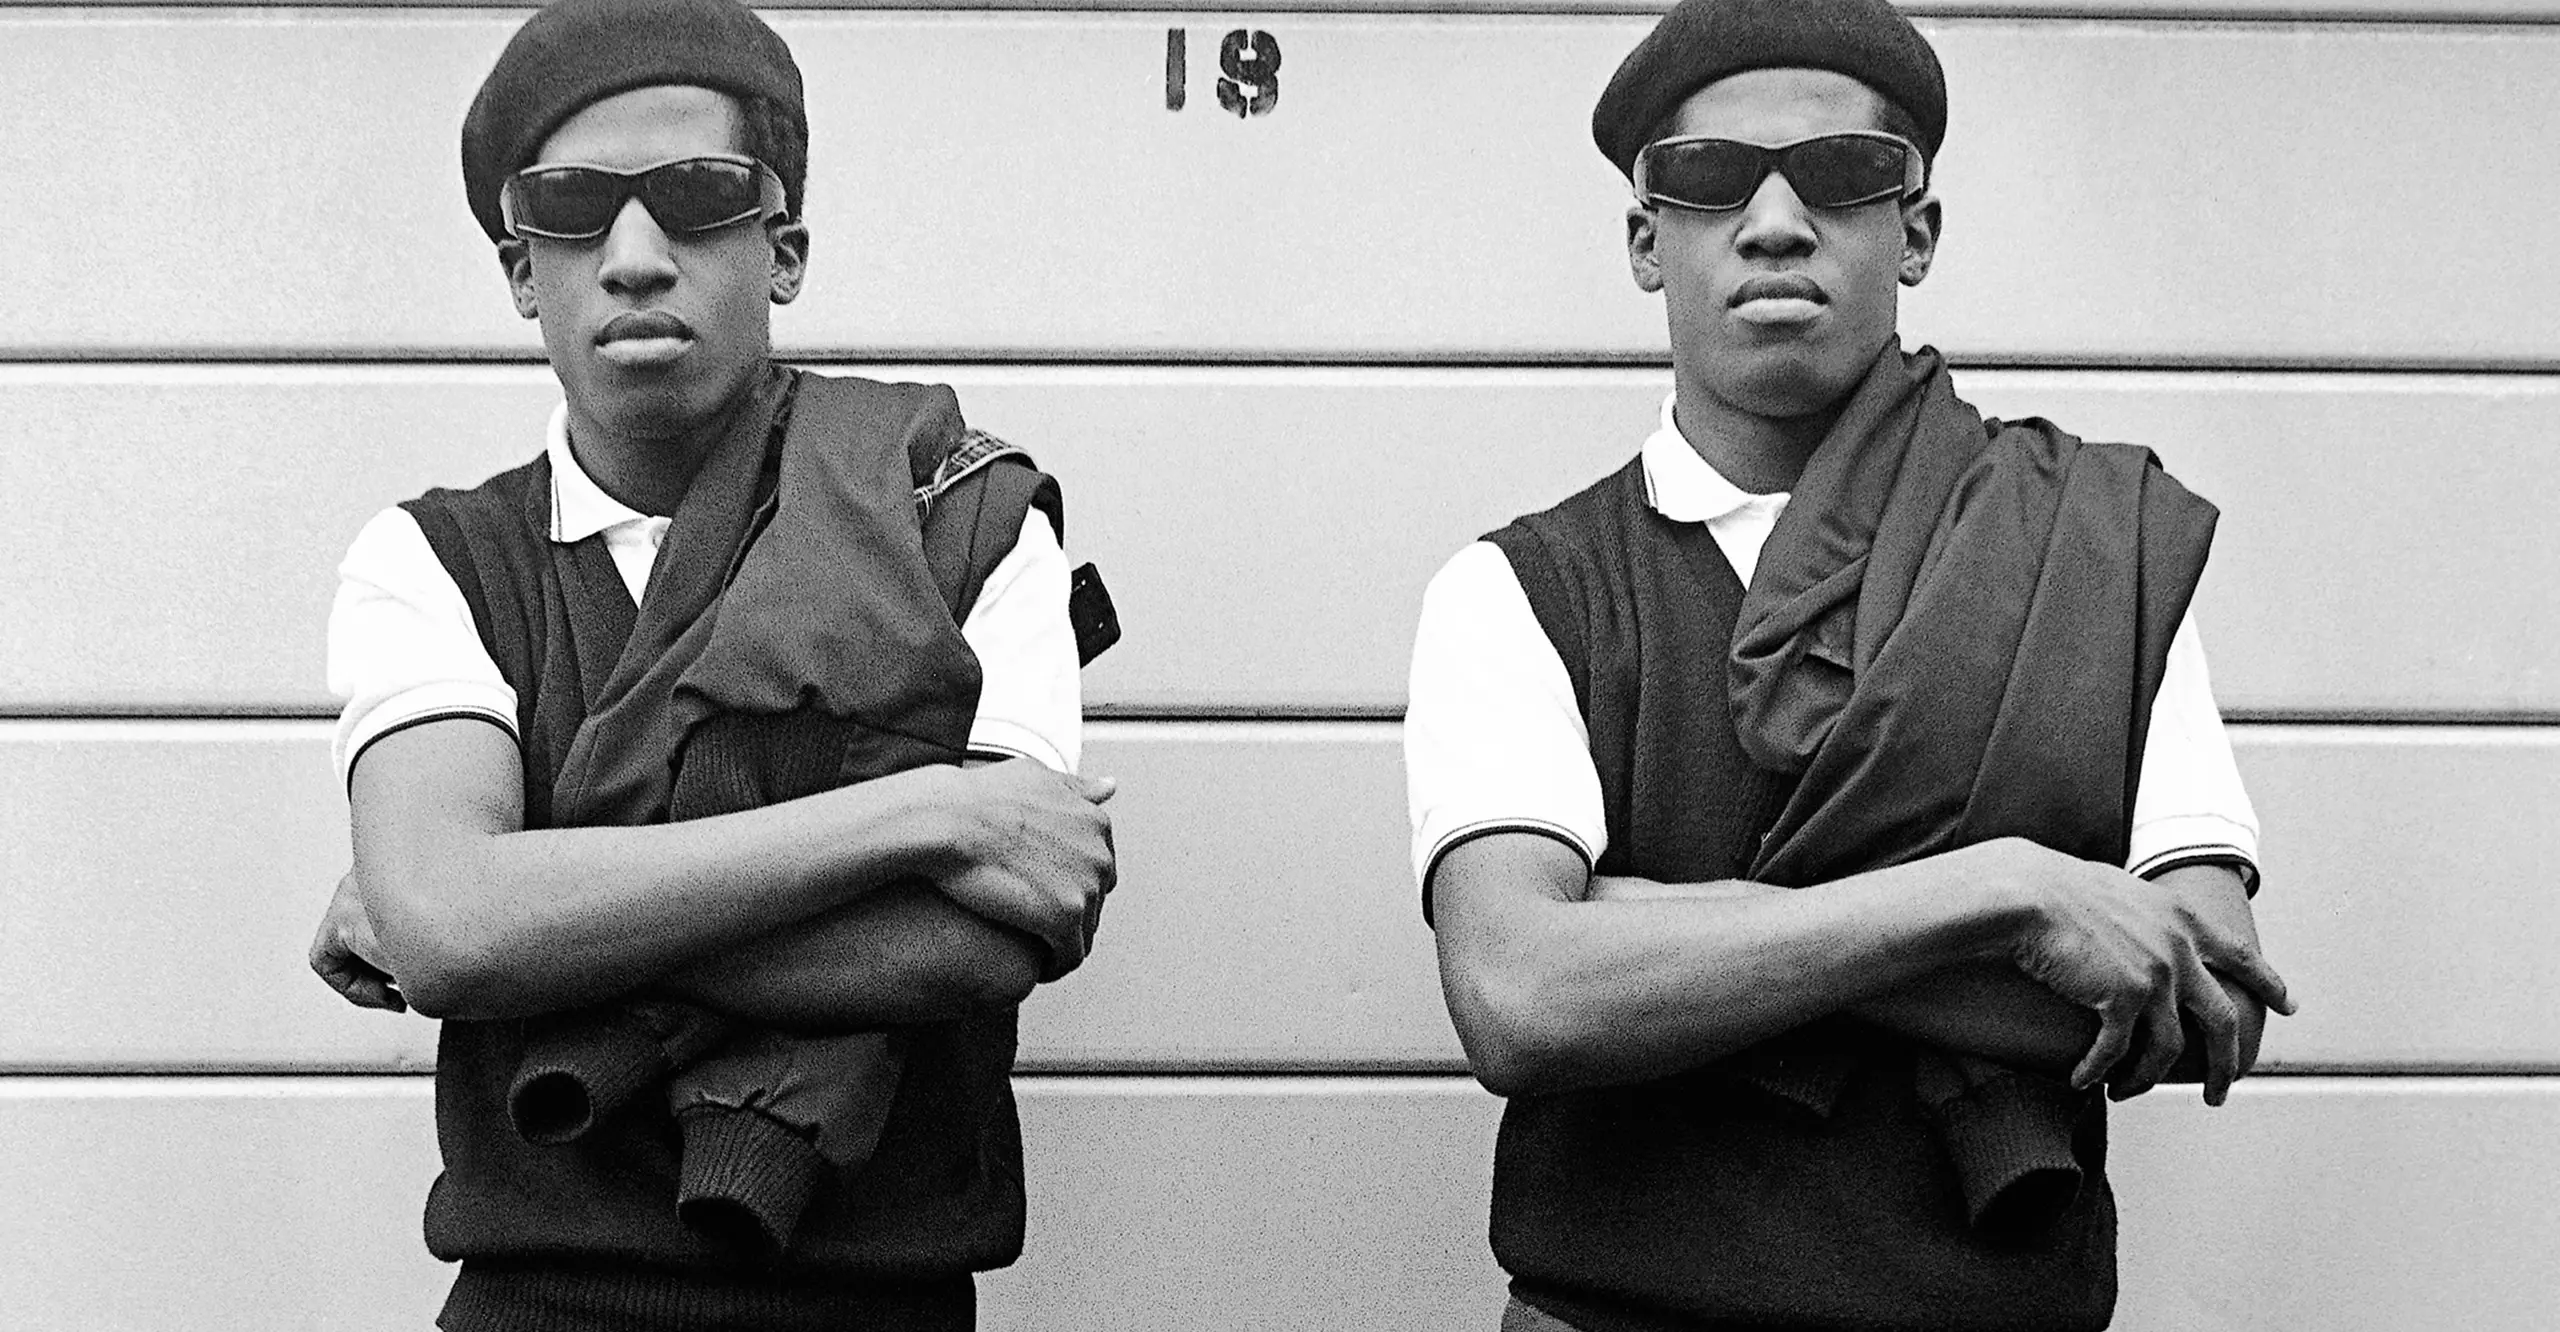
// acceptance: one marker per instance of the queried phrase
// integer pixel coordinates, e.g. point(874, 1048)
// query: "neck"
point(1758, 454)
point(649, 463)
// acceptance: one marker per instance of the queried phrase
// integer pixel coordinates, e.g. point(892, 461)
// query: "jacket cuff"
point(2010, 1137)
point(746, 1179)
point(580, 1068)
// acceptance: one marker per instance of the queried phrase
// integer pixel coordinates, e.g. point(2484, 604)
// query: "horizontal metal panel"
point(1161, 1205)
point(284, 184)
point(161, 881)
point(188, 520)
point(2372, 1205)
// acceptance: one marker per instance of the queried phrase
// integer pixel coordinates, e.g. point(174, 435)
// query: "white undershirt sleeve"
point(1494, 738)
point(1031, 698)
point(402, 645)
point(2190, 804)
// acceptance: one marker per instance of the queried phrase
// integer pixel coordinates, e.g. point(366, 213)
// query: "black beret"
point(576, 52)
point(1701, 41)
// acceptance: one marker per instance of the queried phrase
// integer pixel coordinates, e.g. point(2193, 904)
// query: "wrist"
point(2006, 896)
point(931, 815)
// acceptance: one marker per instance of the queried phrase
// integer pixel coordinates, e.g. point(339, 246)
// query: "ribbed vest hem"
point(492, 1296)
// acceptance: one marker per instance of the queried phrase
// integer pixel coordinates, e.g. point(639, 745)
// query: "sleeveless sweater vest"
point(584, 1234)
point(1715, 1198)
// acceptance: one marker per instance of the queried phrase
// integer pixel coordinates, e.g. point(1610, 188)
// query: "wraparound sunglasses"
point(1827, 170)
point(579, 201)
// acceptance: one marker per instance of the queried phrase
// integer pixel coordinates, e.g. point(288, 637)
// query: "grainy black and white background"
point(1296, 302)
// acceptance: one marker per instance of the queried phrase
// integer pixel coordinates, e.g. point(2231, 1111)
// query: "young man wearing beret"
point(1816, 812)
point(712, 774)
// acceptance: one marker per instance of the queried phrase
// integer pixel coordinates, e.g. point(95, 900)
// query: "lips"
point(1780, 287)
point(649, 324)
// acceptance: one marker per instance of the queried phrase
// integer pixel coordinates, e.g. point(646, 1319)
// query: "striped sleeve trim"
point(347, 776)
point(1003, 738)
point(2211, 853)
point(1460, 836)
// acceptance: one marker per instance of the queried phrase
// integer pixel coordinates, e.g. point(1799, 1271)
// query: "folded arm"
point(473, 916)
point(1977, 1007)
point(1551, 988)
point(903, 953)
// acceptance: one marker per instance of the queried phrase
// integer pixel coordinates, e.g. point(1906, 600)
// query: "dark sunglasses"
point(1826, 171)
point(575, 201)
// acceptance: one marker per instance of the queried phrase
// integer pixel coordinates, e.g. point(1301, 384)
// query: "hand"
point(2138, 955)
point(344, 950)
point(1038, 857)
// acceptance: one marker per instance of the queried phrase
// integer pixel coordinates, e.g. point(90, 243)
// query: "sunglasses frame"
point(1915, 169)
point(772, 199)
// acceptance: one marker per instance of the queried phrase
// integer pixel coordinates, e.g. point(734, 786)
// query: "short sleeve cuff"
point(361, 725)
point(2164, 844)
point(1442, 845)
point(1001, 737)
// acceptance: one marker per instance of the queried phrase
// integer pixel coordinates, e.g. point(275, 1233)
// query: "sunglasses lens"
point(692, 194)
point(1703, 173)
point(567, 202)
point(1843, 169)
point(700, 193)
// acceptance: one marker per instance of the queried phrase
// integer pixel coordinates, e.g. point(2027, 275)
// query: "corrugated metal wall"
point(1285, 363)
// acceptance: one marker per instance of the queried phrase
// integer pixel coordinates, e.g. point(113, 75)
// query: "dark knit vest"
point(1701, 1200)
point(584, 1235)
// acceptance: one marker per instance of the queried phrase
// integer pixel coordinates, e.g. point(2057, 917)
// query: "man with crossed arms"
point(639, 165)
point(1815, 812)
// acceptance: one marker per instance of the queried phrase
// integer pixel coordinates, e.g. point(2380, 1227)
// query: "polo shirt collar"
point(579, 507)
point(1682, 487)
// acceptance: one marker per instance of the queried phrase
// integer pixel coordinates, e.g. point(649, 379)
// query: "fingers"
point(1066, 948)
point(1109, 871)
point(357, 981)
point(1095, 789)
point(2167, 1042)
point(2221, 1023)
point(2249, 967)
point(2115, 1037)
point(374, 992)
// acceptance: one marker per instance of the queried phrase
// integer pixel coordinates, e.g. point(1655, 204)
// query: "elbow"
point(984, 968)
point(1514, 1040)
point(442, 969)
point(1001, 979)
point(443, 982)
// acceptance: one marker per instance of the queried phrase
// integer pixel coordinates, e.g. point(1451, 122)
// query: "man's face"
point(1777, 307)
point(651, 332)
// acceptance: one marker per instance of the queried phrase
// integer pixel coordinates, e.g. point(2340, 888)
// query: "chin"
point(1785, 388)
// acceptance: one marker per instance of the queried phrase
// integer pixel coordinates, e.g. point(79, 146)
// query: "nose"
point(1775, 224)
point(638, 260)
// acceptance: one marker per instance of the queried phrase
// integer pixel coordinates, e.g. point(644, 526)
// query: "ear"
point(790, 259)
point(1922, 222)
point(515, 258)
point(1642, 261)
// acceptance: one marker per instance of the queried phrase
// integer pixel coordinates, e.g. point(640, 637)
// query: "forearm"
point(904, 953)
point(1988, 1009)
point(1991, 1009)
point(1982, 1008)
point(1550, 992)
point(477, 918)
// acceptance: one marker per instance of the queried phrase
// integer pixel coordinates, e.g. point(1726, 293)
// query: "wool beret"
point(576, 52)
point(1701, 41)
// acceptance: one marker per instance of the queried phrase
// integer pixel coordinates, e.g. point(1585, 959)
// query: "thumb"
point(1096, 789)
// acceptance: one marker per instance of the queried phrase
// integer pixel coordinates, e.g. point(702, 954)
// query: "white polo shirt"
point(403, 648)
point(1493, 736)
